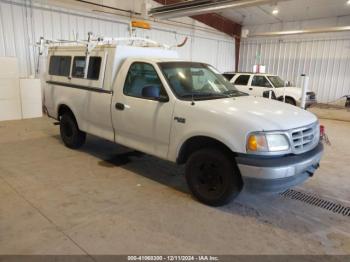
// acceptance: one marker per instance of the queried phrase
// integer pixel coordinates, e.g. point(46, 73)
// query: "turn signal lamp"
point(256, 143)
point(140, 24)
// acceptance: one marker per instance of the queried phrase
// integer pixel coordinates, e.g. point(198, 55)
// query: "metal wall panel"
point(326, 61)
point(23, 22)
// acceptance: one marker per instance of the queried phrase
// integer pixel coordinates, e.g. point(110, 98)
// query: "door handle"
point(250, 88)
point(119, 106)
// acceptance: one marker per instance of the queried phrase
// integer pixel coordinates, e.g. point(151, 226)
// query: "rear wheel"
point(213, 177)
point(71, 136)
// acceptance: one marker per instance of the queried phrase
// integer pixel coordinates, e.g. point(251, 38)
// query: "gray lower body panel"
point(278, 174)
point(273, 185)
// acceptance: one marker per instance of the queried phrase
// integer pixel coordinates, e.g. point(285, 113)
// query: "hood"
point(262, 114)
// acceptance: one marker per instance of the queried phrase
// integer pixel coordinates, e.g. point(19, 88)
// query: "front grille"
point(311, 95)
point(305, 138)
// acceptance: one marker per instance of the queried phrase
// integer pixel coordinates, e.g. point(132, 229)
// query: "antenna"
point(192, 100)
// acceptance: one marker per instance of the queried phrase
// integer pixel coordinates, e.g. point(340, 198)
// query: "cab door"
point(140, 122)
point(259, 85)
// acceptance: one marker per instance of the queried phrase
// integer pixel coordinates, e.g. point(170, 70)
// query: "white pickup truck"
point(185, 112)
point(260, 84)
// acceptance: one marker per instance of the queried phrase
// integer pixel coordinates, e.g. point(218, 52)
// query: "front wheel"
point(213, 177)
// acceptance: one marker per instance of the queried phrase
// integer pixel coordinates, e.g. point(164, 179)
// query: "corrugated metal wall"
point(326, 61)
point(22, 23)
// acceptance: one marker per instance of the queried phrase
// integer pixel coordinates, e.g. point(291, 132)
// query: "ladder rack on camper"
point(92, 42)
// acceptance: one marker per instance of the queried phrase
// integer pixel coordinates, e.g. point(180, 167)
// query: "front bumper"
point(308, 103)
point(276, 174)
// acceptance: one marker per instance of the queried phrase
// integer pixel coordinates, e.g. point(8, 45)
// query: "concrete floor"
point(331, 112)
point(57, 201)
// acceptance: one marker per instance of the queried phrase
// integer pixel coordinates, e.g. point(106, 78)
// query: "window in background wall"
point(60, 65)
point(79, 63)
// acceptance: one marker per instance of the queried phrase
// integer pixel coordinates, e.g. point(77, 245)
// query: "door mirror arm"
point(162, 99)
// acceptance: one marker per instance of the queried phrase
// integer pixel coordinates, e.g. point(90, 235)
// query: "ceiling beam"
point(303, 31)
point(190, 8)
point(214, 20)
point(218, 22)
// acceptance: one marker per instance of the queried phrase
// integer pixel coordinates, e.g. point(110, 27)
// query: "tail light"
point(323, 135)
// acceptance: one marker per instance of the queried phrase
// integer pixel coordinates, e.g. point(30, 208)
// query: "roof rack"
point(92, 42)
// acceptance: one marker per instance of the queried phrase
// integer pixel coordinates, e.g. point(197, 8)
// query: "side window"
point(242, 80)
point(78, 67)
point(60, 65)
point(141, 75)
point(260, 81)
point(79, 64)
point(94, 67)
point(228, 76)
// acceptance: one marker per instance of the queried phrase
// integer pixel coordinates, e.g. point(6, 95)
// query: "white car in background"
point(260, 85)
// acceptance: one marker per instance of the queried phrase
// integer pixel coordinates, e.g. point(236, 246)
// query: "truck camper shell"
point(105, 61)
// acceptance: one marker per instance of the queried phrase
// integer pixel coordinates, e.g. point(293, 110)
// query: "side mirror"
point(153, 92)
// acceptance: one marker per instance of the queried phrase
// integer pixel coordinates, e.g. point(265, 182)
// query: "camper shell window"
point(79, 64)
point(60, 65)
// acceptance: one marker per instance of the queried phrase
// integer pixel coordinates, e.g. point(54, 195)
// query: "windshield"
point(197, 81)
point(276, 81)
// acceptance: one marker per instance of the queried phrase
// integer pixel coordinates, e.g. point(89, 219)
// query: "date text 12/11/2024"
point(173, 258)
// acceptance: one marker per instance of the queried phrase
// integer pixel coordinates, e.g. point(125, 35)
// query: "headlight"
point(265, 142)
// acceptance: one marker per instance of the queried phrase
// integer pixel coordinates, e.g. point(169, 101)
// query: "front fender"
point(231, 141)
point(230, 144)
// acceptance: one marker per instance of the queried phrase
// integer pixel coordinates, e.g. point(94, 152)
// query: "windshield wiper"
point(204, 95)
point(231, 93)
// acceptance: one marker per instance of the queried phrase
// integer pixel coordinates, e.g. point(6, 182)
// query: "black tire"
point(213, 176)
point(290, 101)
point(71, 136)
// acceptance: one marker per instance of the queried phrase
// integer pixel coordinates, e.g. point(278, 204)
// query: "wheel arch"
point(195, 143)
point(64, 108)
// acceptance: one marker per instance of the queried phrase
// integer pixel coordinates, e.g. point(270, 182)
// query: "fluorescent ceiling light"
point(304, 31)
point(275, 11)
point(348, 2)
point(190, 8)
